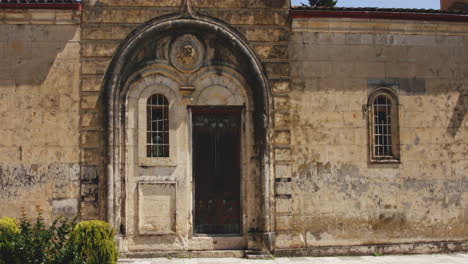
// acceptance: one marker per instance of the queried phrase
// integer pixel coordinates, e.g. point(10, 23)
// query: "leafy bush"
point(39, 243)
point(63, 242)
point(8, 232)
point(95, 243)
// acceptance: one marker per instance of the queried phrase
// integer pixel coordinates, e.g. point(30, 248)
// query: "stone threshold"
point(186, 254)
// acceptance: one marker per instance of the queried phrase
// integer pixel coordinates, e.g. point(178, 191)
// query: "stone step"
point(185, 254)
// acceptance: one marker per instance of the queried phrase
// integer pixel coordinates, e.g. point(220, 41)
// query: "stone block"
point(119, 15)
point(391, 39)
point(127, 3)
point(350, 103)
point(343, 136)
point(282, 137)
point(94, 66)
point(157, 208)
point(280, 86)
point(90, 156)
point(19, 50)
point(71, 50)
point(329, 86)
point(415, 136)
point(281, 103)
point(90, 138)
point(272, 51)
point(90, 101)
point(9, 154)
point(90, 119)
point(283, 188)
point(277, 69)
point(55, 33)
point(354, 119)
point(18, 32)
point(289, 240)
point(322, 119)
point(89, 210)
point(284, 206)
point(266, 34)
point(89, 192)
point(282, 154)
point(283, 171)
point(89, 173)
point(42, 16)
point(284, 222)
point(67, 17)
point(91, 83)
point(359, 39)
point(317, 104)
point(65, 207)
point(100, 49)
point(418, 119)
point(220, 4)
point(282, 120)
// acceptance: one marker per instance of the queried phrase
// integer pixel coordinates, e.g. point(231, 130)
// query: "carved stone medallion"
point(187, 53)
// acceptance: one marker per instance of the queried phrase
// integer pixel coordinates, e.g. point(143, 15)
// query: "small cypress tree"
point(95, 243)
point(327, 3)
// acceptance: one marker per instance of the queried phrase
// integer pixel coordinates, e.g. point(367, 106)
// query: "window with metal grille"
point(157, 126)
point(384, 128)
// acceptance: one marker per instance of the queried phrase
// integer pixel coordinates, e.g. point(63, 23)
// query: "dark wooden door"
point(217, 170)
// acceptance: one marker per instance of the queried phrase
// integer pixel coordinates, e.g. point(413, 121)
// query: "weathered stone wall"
point(106, 23)
point(339, 198)
point(39, 112)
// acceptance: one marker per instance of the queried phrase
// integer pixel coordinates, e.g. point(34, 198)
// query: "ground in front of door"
point(416, 259)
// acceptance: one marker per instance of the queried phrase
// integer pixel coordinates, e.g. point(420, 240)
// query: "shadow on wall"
point(39, 104)
point(458, 115)
point(30, 51)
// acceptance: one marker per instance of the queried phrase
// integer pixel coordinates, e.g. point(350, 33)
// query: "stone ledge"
point(431, 247)
point(378, 27)
point(39, 16)
point(185, 254)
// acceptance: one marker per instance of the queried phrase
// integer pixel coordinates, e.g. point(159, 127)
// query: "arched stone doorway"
point(202, 70)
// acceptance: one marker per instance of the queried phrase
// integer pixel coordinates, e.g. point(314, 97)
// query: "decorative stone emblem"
point(187, 53)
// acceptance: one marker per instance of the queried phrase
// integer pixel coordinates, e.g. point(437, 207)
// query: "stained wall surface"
point(39, 112)
point(264, 24)
point(339, 197)
point(321, 188)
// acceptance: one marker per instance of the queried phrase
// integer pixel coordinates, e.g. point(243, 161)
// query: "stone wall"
point(39, 112)
point(106, 23)
point(341, 199)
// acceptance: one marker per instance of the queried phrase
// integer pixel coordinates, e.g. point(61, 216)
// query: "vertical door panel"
point(217, 171)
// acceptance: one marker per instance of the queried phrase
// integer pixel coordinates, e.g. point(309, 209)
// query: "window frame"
point(142, 128)
point(394, 124)
point(160, 103)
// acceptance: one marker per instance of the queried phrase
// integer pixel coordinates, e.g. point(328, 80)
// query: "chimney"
point(453, 4)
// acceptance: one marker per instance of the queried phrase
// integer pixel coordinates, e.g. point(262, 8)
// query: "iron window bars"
point(157, 126)
point(384, 127)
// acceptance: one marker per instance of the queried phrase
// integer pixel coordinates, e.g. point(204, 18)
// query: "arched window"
point(157, 144)
point(384, 127)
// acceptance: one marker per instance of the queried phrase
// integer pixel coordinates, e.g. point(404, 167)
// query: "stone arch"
point(114, 94)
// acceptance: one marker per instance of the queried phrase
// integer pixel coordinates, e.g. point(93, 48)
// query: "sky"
point(426, 4)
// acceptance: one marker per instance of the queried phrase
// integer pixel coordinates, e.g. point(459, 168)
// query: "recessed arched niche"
point(191, 164)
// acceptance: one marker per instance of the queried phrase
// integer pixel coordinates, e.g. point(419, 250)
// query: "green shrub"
point(39, 244)
point(8, 235)
point(95, 243)
point(62, 242)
